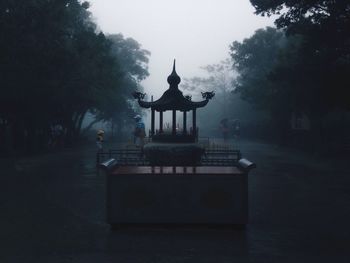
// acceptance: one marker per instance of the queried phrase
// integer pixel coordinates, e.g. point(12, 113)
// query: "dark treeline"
point(55, 66)
point(295, 77)
point(300, 71)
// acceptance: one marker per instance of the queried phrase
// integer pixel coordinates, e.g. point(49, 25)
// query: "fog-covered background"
point(197, 32)
point(279, 69)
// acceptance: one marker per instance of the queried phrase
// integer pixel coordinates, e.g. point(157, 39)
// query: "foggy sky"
point(195, 32)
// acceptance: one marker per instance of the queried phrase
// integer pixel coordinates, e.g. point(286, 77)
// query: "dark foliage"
point(55, 67)
point(302, 67)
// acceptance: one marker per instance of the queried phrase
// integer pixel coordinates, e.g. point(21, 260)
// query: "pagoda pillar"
point(194, 123)
point(160, 122)
point(152, 123)
point(174, 122)
point(184, 123)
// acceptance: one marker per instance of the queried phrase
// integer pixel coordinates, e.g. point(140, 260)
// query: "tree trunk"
point(79, 123)
point(87, 128)
point(112, 128)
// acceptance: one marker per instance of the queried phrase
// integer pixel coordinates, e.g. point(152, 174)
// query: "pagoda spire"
point(173, 78)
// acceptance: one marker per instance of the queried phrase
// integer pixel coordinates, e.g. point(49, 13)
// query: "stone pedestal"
point(177, 195)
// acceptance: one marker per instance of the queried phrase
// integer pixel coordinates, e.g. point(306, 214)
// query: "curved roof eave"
point(184, 105)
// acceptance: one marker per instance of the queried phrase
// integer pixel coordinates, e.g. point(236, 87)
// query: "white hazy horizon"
point(194, 32)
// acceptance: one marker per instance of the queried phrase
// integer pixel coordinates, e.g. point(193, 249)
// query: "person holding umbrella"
point(139, 132)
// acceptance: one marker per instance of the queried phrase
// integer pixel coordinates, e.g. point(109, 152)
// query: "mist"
point(195, 33)
point(85, 178)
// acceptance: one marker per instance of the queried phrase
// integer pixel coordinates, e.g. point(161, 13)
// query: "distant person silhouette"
point(139, 132)
point(224, 128)
point(236, 129)
point(99, 140)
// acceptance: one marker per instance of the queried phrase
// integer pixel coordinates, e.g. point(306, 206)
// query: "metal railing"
point(221, 157)
point(123, 156)
point(134, 157)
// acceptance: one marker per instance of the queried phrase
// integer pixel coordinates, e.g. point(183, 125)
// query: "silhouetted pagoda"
point(175, 182)
point(179, 146)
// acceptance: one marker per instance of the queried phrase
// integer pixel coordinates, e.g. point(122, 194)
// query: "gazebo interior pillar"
point(194, 123)
point(152, 123)
point(160, 122)
point(174, 122)
point(184, 123)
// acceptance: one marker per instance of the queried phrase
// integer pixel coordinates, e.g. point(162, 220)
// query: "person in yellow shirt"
point(99, 140)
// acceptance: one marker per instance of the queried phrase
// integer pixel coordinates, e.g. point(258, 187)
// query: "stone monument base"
point(177, 195)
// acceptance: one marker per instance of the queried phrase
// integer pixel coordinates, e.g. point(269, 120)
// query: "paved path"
point(52, 210)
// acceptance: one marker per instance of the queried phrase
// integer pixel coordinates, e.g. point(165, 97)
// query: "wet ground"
point(52, 210)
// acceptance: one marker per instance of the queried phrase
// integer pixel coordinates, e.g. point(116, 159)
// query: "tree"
point(322, 67)
point(325, 51)
point(254, 60)
point(220, 78)
point(116, 106)
point(37, 45)
point(131, 56)
point(55, 66)
point(268, 77)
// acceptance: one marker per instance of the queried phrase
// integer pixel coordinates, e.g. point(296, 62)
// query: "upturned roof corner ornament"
point(188, 97)
point(138, 95)
point(208, 95)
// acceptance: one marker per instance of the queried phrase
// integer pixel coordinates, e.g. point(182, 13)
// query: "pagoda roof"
point(173, 99)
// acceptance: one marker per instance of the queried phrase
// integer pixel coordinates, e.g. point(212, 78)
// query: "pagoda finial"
point(173, 78)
